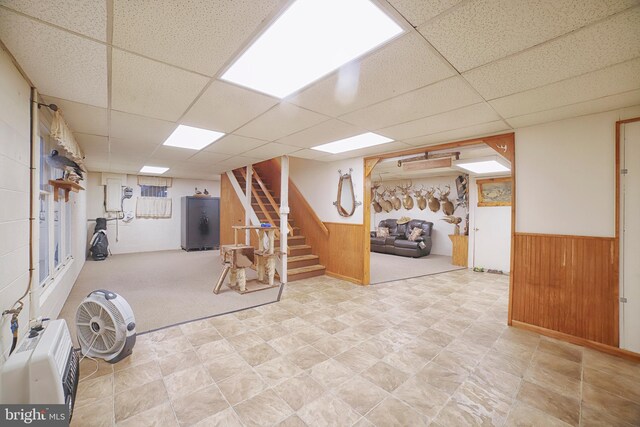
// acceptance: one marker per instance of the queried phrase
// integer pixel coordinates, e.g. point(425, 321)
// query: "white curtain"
point(153, 207)
point(155, 181)
point(63, 135)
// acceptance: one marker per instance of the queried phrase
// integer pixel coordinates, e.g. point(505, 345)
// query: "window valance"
point(153, 207)
point(61, 133)
point(155, 181)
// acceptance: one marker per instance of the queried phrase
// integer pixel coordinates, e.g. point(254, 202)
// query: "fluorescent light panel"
point(192, 138)
point(364, 140)
point(154, 169)
point(309, 40)
point(484, 165)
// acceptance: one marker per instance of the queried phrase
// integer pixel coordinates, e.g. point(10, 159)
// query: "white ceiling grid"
point(464, 68)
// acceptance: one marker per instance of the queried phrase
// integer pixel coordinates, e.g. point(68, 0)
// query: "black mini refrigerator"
point(200, 228)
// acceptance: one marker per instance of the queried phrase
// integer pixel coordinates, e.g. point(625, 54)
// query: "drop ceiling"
point(126, 73)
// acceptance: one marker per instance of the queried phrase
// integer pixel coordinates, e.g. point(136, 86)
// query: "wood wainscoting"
point(567, 284)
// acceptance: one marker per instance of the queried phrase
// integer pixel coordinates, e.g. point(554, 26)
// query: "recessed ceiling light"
point(154, 169)
point(192, 138)
point(484, 165)
point(309, 40)
point(364, 140)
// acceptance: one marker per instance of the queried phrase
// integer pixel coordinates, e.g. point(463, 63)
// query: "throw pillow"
point(415, 233)
point(382, 232)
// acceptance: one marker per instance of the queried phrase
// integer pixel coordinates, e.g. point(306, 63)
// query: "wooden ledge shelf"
point(67, 186)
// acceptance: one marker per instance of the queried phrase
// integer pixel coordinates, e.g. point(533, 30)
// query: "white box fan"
point(105, 326)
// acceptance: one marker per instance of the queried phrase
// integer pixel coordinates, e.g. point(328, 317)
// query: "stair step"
point(294, 262)
point(292, 241)
point(299, 250)
point(305, 272)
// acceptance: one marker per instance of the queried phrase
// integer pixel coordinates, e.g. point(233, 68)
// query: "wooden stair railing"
point(262, 206)
point(267, 193)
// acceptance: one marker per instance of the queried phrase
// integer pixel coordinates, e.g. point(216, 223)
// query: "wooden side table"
point(460, 253)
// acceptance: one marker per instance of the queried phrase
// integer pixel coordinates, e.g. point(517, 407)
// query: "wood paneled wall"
point(231, 210)
point(567, 284)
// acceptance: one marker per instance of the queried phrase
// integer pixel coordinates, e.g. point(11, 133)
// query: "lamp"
point(483, 165)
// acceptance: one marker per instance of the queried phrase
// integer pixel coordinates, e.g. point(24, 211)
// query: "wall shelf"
point(67, 186)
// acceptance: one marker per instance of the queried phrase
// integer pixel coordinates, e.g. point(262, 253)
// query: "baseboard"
point(347, 278)
point(614, 351)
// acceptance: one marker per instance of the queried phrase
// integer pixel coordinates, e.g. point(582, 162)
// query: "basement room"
point(319, 213)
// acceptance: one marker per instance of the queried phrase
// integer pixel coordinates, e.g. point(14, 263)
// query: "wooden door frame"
point(504, 144)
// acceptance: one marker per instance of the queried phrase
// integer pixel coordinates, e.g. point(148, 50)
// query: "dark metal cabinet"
point(200, 223)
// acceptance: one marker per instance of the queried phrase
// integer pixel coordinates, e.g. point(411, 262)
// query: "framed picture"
point(494, 192)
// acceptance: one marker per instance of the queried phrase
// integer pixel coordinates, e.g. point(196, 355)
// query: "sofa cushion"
point(402, 243)
point(415, 234)
point(378, 241)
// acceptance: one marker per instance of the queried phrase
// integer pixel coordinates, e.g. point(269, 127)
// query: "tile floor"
point(427, 351)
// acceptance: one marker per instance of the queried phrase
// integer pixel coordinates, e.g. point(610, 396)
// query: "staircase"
point(301, 263)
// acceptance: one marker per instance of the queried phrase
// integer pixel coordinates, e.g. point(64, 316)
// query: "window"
point(153, 191)
point(54, 217)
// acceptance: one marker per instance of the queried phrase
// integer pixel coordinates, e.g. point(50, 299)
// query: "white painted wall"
point(318, 183)
point(14, 194)
point(143, 234)
point(490, 246)
point(566, 178)
point(441, 230)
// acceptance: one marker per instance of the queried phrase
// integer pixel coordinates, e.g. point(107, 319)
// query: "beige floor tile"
point(457, 362)
point(170, 346)
point(203, 336)
point(422, 397)
point(259, 354)
point(246, 340)
point(385, 376)
point(437, 337)
point(357, 360)
point(332, 326)
point(564, 408)
point(561, 349)
point(406, 361)
point(160, 416)
point(618, 384)
point(360, 394)
point(515, 364)
point(270, 332)
point(423, 348)
point(600, 404)
point(330, 373)
point(277, 370)
point(139, 399)
point(554, 381)
point(178, 361)
point(98, 414)
point(287, 343)
point(556, 364)
point(265, 409)
point(392, 412)
point(241, 386)
point(503, 384)
point(522, 415)
point(292, 421)
point(299, 391)
point(226, 366)
point(472, 405)
point(214, 350)
point(137, 376)
point(604, 362)
point(376, 347)
point(311, 334)
point(306, 357)
point(186, 381)
point(441, 378)
point(328, 411)
point(197, 406)
point(93, 390)
point(88, 366)
point(165, 334)
point(142, 353)
point(331, 346)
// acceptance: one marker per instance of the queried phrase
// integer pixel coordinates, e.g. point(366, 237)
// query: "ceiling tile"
point(171, 154)
point(60, 64)
point(200, 36)
point(271, 150)
point(600, 45)
point(208, 157)
point(619, 78)
point(82, 118)
point(193, 169)
point(88, 17)
point(378, 149)
point(237, 162)
point(96, 165)
point(280, 121)
point(309, 154)
point(132, 148)
point(140, 129)
point(469, 132)
point(462, 117)
point(234, 144)
point(439, 97)
point(402, 65)
point(329, 131)
point(126, 164)
point(418, 12)
point(93, 147)
point(152, 89)
point(479, 32)
point(225, 107)
point(606, 103)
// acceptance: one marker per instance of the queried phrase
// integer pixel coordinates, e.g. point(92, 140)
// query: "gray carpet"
point(163, 288)
point(387, 268)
